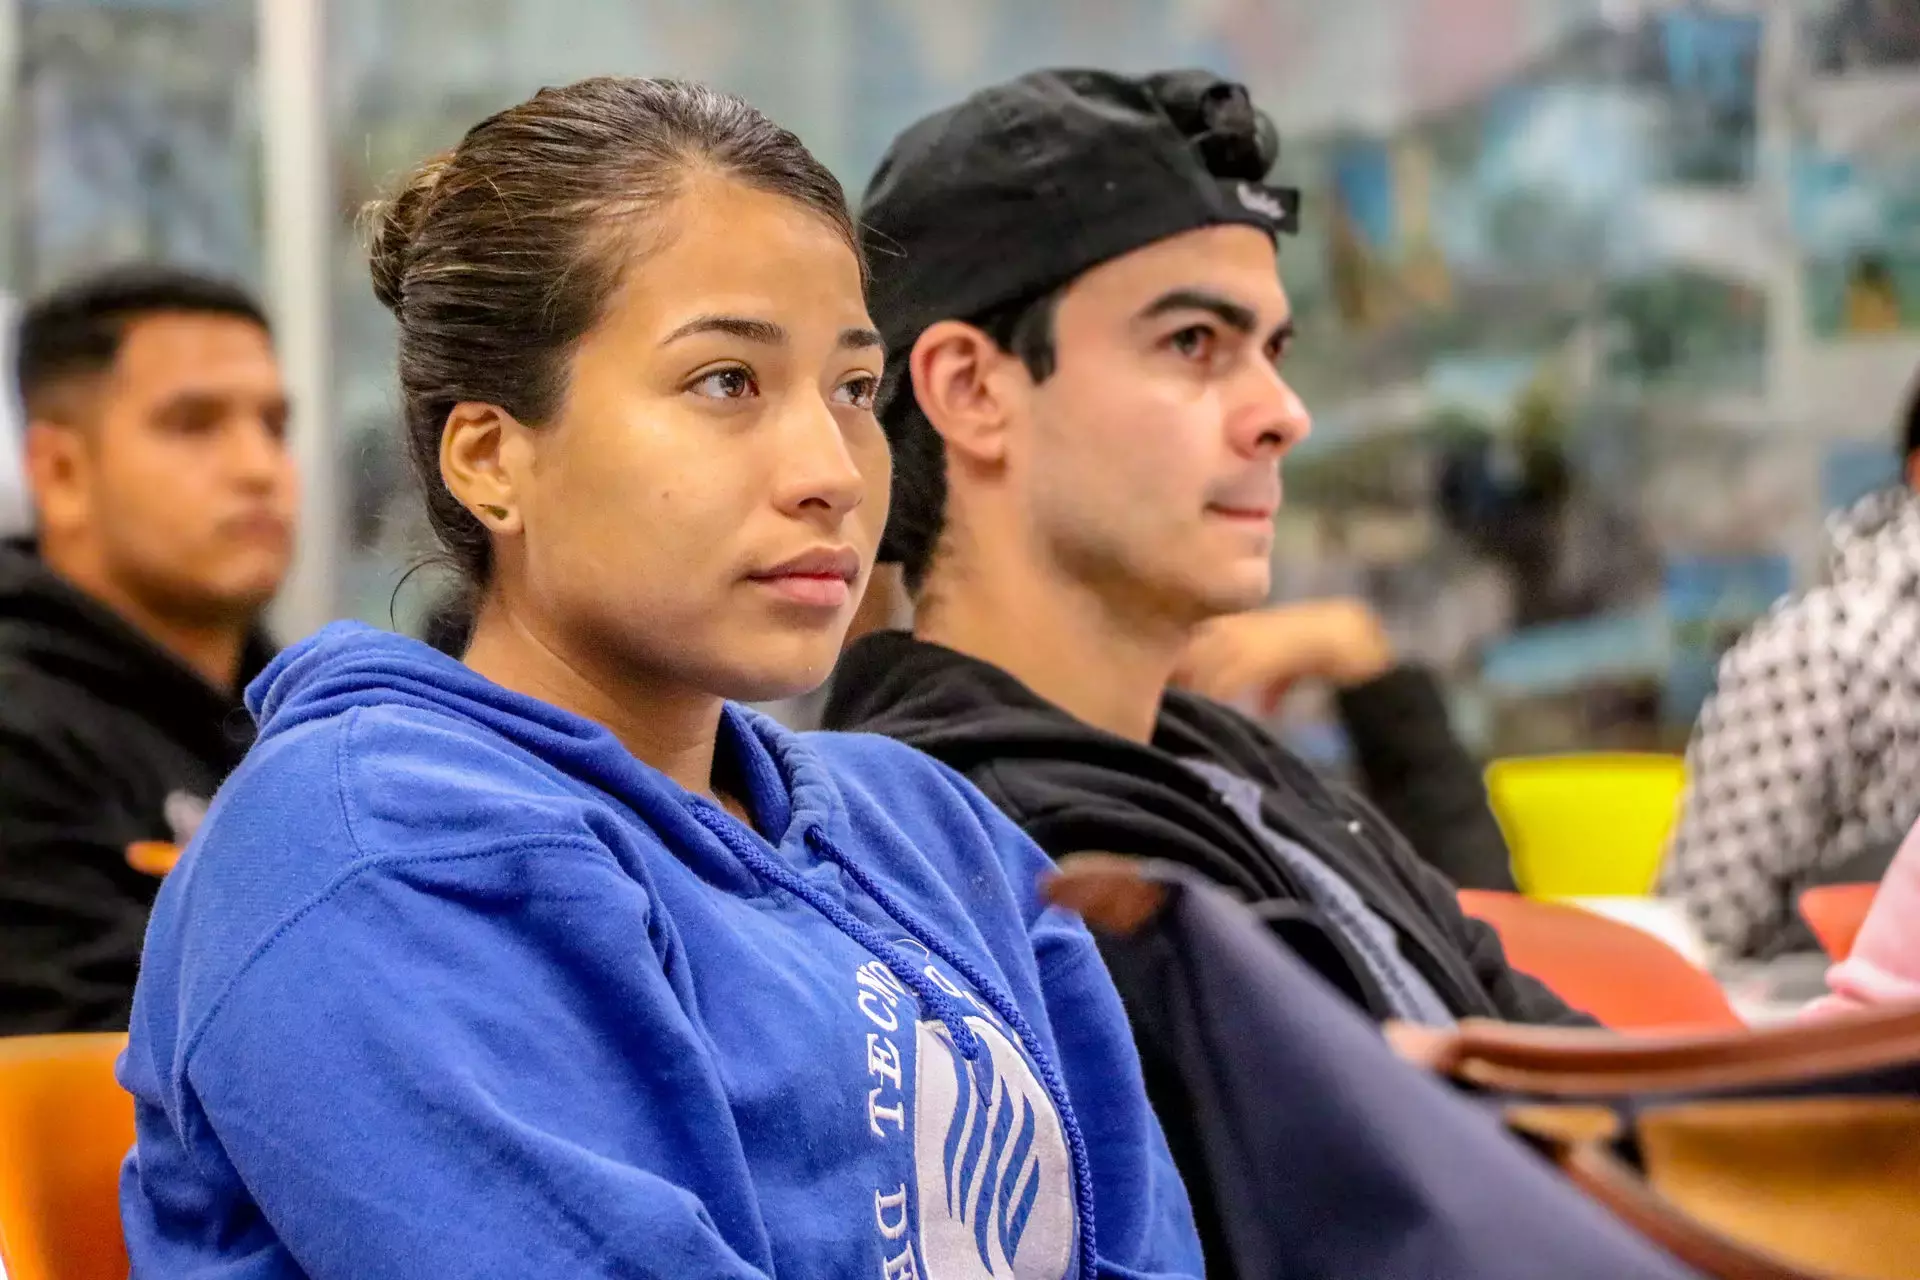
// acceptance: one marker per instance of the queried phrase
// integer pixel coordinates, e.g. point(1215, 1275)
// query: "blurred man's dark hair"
point(76, 331)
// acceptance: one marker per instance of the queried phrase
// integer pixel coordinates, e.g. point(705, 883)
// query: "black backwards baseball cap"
point(1026, 185)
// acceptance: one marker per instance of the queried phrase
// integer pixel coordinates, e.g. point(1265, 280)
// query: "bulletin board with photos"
point(1594, 348)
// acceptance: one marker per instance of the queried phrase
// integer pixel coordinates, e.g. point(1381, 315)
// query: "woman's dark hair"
point(500, 255)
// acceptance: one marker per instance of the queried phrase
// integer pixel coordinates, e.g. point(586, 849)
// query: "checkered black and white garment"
point(1808, 753)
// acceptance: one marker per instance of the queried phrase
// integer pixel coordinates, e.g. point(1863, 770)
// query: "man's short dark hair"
point(919, 515)
point(76, 330)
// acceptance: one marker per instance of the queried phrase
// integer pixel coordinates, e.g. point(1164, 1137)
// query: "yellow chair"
point(1586, 825)
point(65, 1126)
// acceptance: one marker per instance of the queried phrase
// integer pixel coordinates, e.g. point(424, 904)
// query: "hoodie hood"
point(349, 666)
point(967, 713)
point(1877, 540)
point(959, 710)
point(49, 626)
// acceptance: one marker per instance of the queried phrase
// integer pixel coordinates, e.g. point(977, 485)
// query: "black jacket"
point(1075, 788)
point(1416, 771)
point(105, 740)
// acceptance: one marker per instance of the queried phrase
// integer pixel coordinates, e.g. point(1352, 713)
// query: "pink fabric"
point(1884, 967)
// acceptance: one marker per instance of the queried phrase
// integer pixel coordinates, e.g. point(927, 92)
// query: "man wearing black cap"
point(1075, 276)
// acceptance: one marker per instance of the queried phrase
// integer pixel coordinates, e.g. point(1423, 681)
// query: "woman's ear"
point(957, 374)
point(476, 455)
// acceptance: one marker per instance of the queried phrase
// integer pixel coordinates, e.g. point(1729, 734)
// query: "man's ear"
point(57, 465)
point(960, 379)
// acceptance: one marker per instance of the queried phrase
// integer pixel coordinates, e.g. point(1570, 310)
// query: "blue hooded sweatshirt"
point(450, 985)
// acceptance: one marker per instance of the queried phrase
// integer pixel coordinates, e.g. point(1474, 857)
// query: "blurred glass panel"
point(134, 135)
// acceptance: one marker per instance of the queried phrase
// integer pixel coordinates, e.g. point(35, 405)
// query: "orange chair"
point(1835, 913)
point(65, 1126)
point(1623, 976)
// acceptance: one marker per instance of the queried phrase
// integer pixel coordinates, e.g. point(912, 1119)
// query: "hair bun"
point(1234, 138)
point(395, 223)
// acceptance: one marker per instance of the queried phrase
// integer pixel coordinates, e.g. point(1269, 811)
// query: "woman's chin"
point(777, 677)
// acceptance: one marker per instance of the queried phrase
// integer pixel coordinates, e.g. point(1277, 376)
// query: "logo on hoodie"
point(986, 1143)
point(990, 1195)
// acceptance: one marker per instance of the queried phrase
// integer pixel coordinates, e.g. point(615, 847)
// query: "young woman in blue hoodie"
point(553, 961)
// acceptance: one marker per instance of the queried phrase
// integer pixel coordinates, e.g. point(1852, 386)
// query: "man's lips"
point(255, 524)
point(1235, 512)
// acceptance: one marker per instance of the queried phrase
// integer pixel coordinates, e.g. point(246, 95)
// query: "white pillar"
point(826, 28)
point(12, 192)
point(290, 71)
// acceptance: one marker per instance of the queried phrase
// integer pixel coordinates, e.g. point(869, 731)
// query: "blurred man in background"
point(1805, 766)
point(164, 500)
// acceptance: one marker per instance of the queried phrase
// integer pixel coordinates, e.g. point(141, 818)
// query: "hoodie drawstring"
point(1009, 1013)
point(936, 1002)
point(760, 860)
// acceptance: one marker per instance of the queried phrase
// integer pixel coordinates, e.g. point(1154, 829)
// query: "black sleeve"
point(1520, 998)
point(72, 911)
point(1516, 996)
point(1418, 774)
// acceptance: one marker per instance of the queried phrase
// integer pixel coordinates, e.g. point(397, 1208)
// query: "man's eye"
point(1195, 342)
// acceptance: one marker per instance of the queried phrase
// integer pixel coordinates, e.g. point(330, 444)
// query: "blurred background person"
point(1805, 766)
point(164, 501)
point(1394, 713)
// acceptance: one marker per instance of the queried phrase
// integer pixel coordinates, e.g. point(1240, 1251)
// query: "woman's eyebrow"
point(743, 327)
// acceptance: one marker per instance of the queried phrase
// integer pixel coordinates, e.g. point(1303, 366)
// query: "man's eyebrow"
point(744, 327)
point(1230, 313)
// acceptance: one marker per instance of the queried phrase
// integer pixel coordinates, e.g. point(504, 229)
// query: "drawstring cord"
point(759, 859)
point(748, 848)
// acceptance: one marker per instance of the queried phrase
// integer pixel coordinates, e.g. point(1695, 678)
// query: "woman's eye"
point(860, 392)
point(726, 384)
point(1195, 342)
